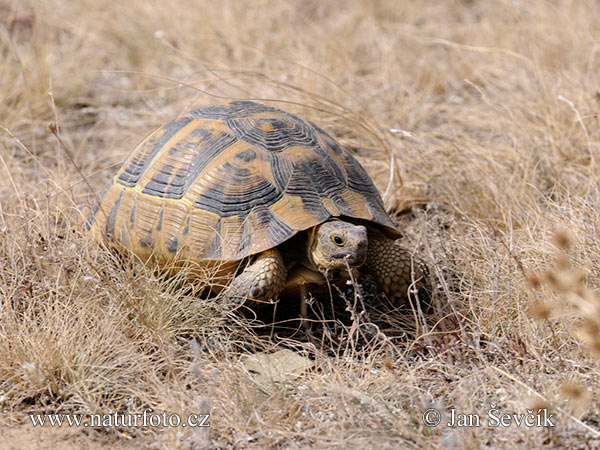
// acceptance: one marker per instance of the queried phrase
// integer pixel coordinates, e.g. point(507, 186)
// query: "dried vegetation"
point(478, 121)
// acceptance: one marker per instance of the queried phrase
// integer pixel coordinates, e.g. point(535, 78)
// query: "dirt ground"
point(25, 436)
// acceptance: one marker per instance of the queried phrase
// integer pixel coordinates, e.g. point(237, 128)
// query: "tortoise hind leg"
point(395, 269)
point(261, 281)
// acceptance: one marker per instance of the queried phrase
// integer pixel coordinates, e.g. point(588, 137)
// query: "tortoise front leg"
point(394, 268)
point(261, 281)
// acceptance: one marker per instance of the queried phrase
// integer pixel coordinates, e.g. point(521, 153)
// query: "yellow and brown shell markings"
point(225, 182)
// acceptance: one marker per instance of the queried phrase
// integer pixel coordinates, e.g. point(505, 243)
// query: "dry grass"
point(490, 112)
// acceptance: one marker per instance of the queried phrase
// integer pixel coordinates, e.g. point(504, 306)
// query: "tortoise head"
point(335, 244)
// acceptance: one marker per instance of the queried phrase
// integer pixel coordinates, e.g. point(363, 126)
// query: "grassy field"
point(488, 111)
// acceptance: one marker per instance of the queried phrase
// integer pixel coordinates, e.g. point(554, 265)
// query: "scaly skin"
point(392, 266)
point(261, 281)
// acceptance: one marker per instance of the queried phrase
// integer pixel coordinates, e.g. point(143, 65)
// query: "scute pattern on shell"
point(228, 181)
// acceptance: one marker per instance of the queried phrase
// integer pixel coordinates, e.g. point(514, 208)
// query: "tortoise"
point(246, 182)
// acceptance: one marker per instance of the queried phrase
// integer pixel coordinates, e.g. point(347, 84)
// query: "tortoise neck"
point(311, 243)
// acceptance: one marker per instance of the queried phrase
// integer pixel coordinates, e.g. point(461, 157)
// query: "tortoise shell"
point(224, 182)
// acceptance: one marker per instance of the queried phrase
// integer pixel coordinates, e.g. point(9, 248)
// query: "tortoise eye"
point(338, 240)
